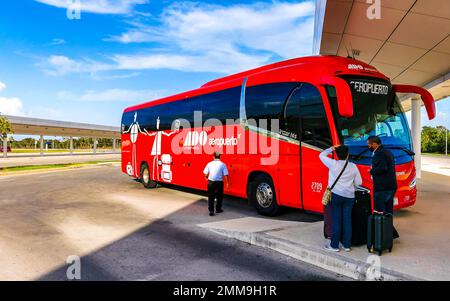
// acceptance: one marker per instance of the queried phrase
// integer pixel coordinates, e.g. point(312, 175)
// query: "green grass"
point(436, 154)
point(33, 151)
point(51, 166)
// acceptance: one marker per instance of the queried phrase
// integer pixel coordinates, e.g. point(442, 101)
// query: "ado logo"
point(195, 139)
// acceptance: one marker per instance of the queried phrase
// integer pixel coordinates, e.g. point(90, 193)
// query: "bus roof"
point(333, 65)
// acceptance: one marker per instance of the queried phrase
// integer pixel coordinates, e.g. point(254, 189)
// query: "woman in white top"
point(343, 195)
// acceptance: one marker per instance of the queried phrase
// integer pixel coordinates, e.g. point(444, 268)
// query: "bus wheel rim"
point(145, 176)
point(264, 195)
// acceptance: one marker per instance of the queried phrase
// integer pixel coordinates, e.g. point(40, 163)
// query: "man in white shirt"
point(215, 172)
point(343, 195)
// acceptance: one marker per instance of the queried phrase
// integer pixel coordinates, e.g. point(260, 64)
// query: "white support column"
point(415, 132)
point(5, 147)
point(95, 146)
point(446, 136)
point(114, 145)
point(41, 145)
point(71, 145)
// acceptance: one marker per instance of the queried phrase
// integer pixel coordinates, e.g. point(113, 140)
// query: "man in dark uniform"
point(383, 175)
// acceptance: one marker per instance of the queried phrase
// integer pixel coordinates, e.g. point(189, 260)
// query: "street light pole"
point(446, 141)
point(446, 135)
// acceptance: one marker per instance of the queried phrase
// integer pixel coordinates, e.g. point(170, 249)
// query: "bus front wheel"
point(145, 177)
point(263, 195)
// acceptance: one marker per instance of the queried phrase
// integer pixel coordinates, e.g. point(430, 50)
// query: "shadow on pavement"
point(285, 214)
point(158, 250)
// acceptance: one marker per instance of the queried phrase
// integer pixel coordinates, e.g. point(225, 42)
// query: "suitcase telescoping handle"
point(382, 213)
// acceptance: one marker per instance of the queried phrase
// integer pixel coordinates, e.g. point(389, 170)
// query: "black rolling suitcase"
point(380, 232)
point(360, 214)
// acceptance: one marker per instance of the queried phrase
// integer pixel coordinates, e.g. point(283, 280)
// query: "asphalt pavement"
point(121, 231)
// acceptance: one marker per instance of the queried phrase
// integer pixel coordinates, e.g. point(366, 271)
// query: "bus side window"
point(168, 113)
point(222, 105)
point(291, 116)
point(265, 102)
point(147, 118)
point(314, 123)
point(127, 120)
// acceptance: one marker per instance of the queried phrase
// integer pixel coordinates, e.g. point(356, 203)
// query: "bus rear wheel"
point(145, 177)
point(263, 195)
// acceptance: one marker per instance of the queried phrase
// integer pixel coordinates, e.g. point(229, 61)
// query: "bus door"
point(305, 112)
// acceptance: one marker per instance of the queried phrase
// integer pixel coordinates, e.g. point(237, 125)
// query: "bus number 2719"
point(316, 186)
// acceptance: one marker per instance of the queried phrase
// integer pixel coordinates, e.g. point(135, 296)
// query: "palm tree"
point(5, 129)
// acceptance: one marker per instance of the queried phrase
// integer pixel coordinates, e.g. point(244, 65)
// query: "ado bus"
point(270, 124)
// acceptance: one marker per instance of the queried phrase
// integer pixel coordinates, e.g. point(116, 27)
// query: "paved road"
point(436, 164)
point(55, 159)
point(122, 231)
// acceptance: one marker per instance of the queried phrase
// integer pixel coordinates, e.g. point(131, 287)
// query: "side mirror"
point(343, 94)
point(426, 96)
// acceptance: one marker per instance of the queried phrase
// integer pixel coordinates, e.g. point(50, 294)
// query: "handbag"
point(326, 198)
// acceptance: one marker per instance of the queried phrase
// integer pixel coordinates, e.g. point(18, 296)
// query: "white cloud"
point(441, 115)
point(55, 42)
point(123, 95)
point(101, 77)
point(57, 65)
point(278, 28)
point(219, 62)
point(62, 65)
point(98, 6)
point(10, 106)
point(196, 37)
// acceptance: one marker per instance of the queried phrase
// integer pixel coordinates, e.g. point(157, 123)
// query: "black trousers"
point(215, 191)
point(384, 202)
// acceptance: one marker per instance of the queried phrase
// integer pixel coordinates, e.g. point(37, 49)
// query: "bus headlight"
point(362, 189)
point(413, 183)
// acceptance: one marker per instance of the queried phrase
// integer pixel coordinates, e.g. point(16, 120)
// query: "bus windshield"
point(376, 111)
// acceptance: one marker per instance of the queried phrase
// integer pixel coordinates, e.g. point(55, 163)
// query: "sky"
point(123, 52)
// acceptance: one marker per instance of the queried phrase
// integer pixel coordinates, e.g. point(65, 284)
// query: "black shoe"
point(211, 214)
point(219, 211)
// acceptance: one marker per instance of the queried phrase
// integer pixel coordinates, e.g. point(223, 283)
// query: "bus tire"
point(145, 177)
point(262, 194)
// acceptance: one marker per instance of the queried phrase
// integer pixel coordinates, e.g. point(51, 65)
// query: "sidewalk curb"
point(332, 262)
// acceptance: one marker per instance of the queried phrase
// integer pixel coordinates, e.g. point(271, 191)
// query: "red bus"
point(270, 124)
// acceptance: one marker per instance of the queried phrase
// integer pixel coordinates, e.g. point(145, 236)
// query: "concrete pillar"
point(5, 147)
point(446, 136)
point(415, 133)
point(71, 145)
point(95, 146)
point(41, 145)
point(114, 145)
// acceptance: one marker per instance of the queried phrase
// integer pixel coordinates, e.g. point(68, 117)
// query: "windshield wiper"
point(411, 153)
point(359, 156)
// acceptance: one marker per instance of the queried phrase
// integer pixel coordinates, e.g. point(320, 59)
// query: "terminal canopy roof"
point(35, 126)
point(410, 42)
